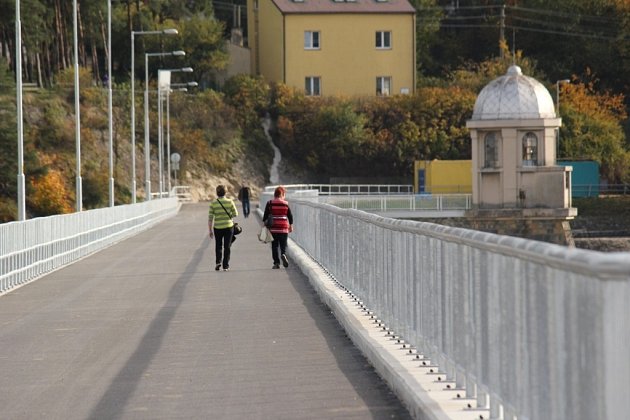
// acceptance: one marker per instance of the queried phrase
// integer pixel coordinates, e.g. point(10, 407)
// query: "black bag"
point(237, 229)
point(269, 221)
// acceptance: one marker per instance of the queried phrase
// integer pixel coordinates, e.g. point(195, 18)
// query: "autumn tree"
point(592, 128)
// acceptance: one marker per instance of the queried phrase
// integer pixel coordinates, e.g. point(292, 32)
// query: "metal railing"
point(34, 247)
point(595, 190)
point(377, 203)
point(182, 192)
point(349, 189)
point(528, 329)
point(384, 203)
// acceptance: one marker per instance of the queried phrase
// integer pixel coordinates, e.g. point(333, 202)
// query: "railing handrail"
point(347, 189)
point(536, 328)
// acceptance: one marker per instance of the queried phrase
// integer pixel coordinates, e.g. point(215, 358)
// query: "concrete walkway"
point(146, 329)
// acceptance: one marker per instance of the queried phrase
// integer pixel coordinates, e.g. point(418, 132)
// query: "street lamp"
point(558, 83)
point(110, 112)
point(181, 87)
point(167, 81)
point(133, 103)
point(147, 146)
point(77, 109)
point(21, 201)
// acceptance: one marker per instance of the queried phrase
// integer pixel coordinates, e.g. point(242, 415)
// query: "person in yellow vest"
point(221, 227)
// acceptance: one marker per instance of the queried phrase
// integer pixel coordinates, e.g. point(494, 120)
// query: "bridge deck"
point(147, 329)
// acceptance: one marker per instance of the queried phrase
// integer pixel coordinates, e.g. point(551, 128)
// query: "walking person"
point(220, 227)
point(243, 196)
point(280, 212)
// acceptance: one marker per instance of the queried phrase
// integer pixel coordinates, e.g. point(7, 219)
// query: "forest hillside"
point(217, 130)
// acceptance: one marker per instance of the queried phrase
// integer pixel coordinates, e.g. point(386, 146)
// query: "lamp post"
point(77, 113)
point(147, 146)
point(133, 103)
point(181, 87)
point(558, 83)
point(110, 112)
point(21, 201)
point(167, 81)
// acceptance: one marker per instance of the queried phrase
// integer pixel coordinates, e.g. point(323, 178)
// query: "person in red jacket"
point(280, 212)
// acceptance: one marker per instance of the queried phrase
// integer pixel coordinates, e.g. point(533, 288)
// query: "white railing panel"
point(536, 328)
point(34, 247)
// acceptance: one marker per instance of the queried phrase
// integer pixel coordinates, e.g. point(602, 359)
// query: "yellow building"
point(331, 47)
point(443, 176)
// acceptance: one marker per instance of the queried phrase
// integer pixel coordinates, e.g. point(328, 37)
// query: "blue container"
point(584, 179)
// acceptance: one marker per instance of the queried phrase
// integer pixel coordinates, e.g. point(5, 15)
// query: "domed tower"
point(514, 130)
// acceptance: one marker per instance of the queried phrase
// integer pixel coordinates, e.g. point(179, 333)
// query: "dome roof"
point(514, 97)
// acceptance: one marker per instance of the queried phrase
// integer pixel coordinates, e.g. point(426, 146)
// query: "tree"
point(593, 128)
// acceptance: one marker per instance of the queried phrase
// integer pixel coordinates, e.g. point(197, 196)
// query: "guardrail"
point(34, 247)
point(596, 190)
point(348, 189)
point(385, 203)
point(528, 329)
point(182, 192)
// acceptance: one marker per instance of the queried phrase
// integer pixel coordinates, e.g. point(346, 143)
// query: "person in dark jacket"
point(243, 195)
point(279, 210)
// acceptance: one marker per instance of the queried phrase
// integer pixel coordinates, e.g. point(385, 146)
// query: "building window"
point(312, 86)
point(383, 40)
point(311, 40)
point(530, 149)
point(383, 86)
point(491, 151)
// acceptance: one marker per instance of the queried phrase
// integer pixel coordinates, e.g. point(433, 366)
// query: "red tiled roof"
point(330, 6)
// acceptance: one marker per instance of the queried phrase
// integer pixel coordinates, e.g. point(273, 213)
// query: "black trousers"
point(223, 242)
point(279, 241)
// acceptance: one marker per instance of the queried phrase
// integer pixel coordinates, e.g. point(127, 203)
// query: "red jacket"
point(282, 217)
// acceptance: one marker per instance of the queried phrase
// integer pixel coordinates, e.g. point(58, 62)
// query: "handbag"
point(265, 236)
point(237, 229)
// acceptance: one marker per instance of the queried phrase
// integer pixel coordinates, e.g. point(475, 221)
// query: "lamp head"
point(187, 69)
point(179, 53)
point(170, 31)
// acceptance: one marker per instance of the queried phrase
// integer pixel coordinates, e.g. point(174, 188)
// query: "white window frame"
point(309, 85)
point(309, 38)
point(381, 39)
point(380, 85)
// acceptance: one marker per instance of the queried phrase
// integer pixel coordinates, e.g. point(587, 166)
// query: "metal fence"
point(349, 189)
point(528, 329)
point(416, 202)
point(596, 190)
point(35, 247)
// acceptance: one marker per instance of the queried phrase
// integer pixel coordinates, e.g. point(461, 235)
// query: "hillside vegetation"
point(217, 129)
